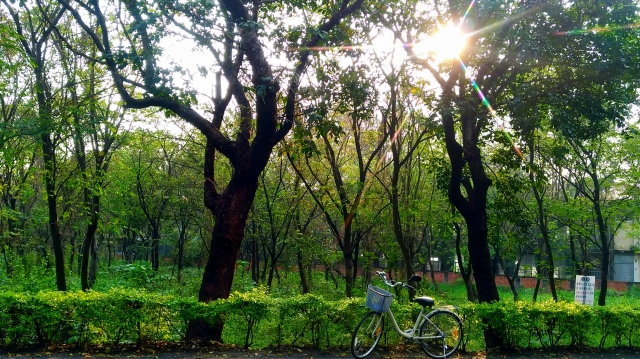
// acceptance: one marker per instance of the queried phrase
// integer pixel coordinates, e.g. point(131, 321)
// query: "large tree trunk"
point(348, 272)
point(89, 239)
point(480, 259)
point(49, 157)
point(349, 254)
point(54, 225)
point(473, 208)
point(230, 210)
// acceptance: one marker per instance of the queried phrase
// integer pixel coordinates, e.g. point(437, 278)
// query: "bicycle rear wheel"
point(445, 329)
point(367, 335)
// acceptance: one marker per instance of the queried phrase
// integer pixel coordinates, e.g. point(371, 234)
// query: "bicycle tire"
point(446, 326)
point(367, 334)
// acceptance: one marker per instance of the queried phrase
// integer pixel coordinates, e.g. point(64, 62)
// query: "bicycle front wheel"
point(443, 330)
point(367, 335)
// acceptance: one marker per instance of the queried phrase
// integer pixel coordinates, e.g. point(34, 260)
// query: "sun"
point(446, 44)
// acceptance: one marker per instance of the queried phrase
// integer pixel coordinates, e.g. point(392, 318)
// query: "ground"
point(314, 354)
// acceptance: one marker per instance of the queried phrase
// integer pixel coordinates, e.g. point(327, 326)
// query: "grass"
point(141, 276)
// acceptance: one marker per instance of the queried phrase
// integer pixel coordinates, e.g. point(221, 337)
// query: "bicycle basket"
point(378, 299)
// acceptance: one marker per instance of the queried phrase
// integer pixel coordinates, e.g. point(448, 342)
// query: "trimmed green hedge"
point(563, 324)
point(256, 320)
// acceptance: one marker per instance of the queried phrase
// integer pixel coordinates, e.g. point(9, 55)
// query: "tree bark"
point(464, 272)
point(303, 275)
point(54, 226)
point(543, 223)
point(93, 267)
point(473, 208)
point(604, 244)
point(86, 256)
point(155, 247)
point(230, 210)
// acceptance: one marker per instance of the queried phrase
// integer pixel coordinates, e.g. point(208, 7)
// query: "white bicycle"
point(438, 333)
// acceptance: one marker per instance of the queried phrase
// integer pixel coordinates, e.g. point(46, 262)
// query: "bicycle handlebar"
point(393, 284)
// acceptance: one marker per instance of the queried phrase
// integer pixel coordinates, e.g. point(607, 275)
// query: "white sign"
point(585, 289)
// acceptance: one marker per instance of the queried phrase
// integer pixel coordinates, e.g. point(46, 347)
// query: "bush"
point(550, 324)
point(255, 319)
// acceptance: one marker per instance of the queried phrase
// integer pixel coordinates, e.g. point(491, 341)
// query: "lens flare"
point(596, 30)
point(446, 44)
point(492, 112)
point(473, 2)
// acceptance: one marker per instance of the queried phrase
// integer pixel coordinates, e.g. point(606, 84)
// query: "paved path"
point(311, 354)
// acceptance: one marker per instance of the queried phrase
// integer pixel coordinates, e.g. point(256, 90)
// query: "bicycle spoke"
point(367, 335)
point(444, 329)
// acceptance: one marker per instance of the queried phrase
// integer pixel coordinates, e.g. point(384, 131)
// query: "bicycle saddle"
point(425, 301)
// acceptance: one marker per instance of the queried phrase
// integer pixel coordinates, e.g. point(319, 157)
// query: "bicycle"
point(438, 333)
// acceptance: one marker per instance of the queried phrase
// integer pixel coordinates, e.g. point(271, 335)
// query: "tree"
point(326, 165)
point(259, 122)
point(274, 211)
point(409, 129)
point(537, 183)
point(184, 208)
point(512, 231)
point(498, 53)
point(19, 151)
point(603, 77)
point(154, 166)
point(35, 39)
point(95, 119)
point(593, 174)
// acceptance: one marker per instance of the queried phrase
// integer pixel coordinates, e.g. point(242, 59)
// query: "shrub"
point(256, 319)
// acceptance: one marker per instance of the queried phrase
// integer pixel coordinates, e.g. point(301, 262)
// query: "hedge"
point(255, 320)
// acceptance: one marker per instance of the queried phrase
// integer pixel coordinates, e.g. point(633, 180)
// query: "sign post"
point(585, 289)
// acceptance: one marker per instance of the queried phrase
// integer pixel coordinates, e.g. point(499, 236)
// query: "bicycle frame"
point(411, 333)
point(422, 317)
